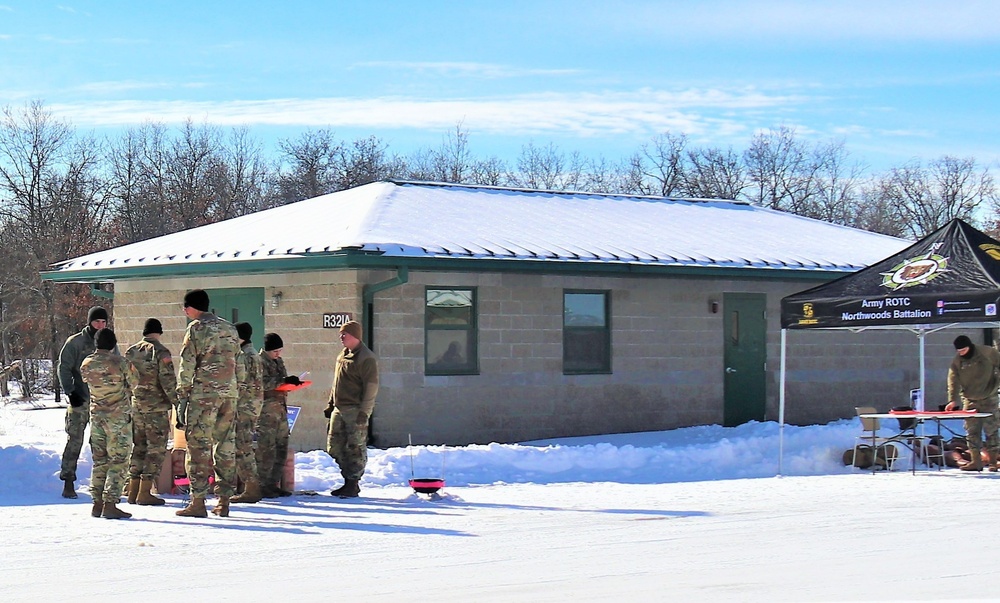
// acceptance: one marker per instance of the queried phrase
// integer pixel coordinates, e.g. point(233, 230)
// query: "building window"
point(450, 336)
point(586, 332)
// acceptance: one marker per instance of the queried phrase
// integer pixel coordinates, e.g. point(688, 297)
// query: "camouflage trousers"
point(347, 441)
point(246, 422)
point(272, 442)
point(975, 427)
point(211, 441)
point(76, 424)
point(150, 432)
point(110, 444)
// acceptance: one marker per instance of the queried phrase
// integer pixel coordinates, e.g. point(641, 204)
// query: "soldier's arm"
point(188, 364)
point(67, 362)
point(167, 377)
point(369, 376)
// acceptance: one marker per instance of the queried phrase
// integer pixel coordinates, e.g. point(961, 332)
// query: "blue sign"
point(293, 413)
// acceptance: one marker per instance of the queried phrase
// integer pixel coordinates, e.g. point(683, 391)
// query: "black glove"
point(292, 379)
point(328, 412)
point(75, 400)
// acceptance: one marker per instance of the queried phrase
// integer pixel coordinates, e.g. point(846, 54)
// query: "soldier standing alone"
point(155, 392)
point(110, 379)
point(207, 386)
point(355, 385)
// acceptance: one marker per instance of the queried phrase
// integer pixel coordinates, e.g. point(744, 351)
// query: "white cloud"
point(584, 114)
point(466, 69)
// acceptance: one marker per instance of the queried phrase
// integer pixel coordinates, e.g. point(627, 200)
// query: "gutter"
point(368, 300)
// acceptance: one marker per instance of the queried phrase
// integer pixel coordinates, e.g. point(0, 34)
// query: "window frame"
point(569, 330)
point(471, 330)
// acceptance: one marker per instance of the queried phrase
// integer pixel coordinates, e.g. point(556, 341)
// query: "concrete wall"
point(667, 355)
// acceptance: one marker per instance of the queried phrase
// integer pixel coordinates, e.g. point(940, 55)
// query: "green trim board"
point(380, 262)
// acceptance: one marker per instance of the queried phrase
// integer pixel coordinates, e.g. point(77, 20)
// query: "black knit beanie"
point(272, 342)
point(96, 313)
point(962, 341)
point(106, 339)
point(197, 299)
point(244, 330)
point(152, 326)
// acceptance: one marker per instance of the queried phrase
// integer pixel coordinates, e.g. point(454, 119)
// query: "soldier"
point(155, 392)
point(973, 382)
point(110, 379)
point(207, 391)
point(352, 399)
point(76, 348)
point(247, 410)
point(272, 426)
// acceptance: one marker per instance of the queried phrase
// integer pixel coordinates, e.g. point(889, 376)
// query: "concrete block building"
point(504, 315)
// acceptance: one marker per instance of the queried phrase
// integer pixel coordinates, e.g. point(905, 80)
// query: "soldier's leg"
point(356, 445)
point(76, 424)
point(157, 434)
point(140, 446)
point(266, 434)
point(246, 463)
point(201, 415)
point(99, 456)
point(118, 443)
point(280, 445)
point(336, 439)
point(224, 456)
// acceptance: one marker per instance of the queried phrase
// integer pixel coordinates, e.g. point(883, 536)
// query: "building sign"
point(335, 320)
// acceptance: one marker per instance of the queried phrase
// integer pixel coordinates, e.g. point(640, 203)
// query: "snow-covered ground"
point(690, 514)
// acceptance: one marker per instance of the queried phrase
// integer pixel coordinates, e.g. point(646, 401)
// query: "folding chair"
point(871, 436)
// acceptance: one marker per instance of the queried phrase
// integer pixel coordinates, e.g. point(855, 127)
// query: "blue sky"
point(894, 80)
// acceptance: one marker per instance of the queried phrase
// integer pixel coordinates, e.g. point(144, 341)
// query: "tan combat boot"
point(976, 464)
point(195, 508)
point(111, 511)
point(98, 508)
point(145, 496)
point(222, 507)
point(132, 490)
point(250, 494)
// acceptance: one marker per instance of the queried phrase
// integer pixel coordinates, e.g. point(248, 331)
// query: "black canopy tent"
point(950, 278)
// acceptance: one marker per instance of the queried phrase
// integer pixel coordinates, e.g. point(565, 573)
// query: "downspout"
point(368, 300)
point(96, 291)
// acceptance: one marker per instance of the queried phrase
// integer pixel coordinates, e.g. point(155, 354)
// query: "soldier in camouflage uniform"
point(76, 348)
point(352, 399)
point(247, 410)
point(272, 425)
point(207, 385)
point(155, 392)
point(110, 379)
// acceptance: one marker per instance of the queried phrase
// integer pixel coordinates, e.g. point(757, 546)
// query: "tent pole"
point(923, 377)
point(781, 402)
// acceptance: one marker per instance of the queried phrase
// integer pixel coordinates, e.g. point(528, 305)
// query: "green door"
point(745, 357)
point(241, 305)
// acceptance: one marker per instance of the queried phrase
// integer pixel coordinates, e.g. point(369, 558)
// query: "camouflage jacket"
point(111, 379)
point(976, 377)
point(208, 359)
point(273, 374)
point(251, 386)
point(156, 386)
point(355, 380)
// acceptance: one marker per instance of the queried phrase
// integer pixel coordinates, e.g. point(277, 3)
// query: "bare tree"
point(782, 174)
point(311, 166)
point(714, 174)
point(927, 198)
point(662, 163)
point(838, 184)
point(52, 205)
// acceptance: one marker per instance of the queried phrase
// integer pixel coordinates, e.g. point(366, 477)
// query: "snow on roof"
point(433, 220)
